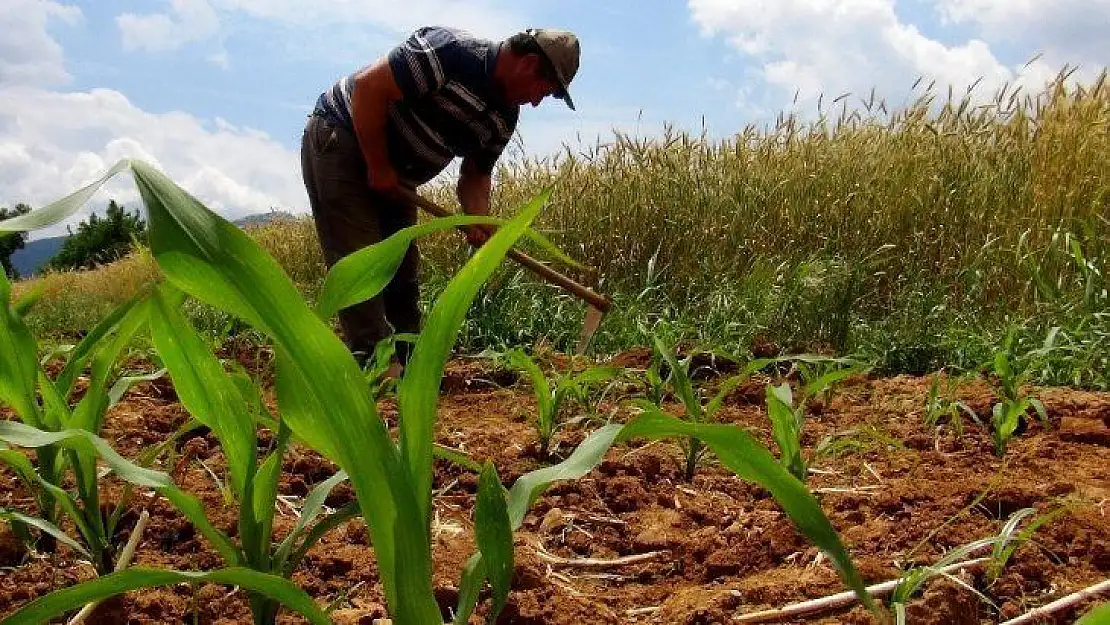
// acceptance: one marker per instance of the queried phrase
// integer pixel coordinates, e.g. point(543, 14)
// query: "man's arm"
point(474, 196)
point(375, 88)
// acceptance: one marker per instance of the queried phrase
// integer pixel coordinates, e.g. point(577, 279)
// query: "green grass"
point(915, 239)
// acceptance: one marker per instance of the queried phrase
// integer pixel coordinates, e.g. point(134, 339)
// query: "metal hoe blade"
point(589, 328)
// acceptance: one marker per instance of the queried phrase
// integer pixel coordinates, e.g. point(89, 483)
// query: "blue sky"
point(215, 92)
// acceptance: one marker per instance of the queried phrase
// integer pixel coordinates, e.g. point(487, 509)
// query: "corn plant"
point(787, 422)
point(551, 395)
point(66, 443)
point(819, 375)
point(43, 405)
point(697, 410)
point(1002, 546)
point(942, 405)
point(324, 399)
point(1012, 373)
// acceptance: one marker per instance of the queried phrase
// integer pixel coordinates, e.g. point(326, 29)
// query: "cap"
point(563, 51)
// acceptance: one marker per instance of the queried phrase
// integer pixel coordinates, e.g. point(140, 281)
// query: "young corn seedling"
point(552, 395)
point(679, 377)
point(1002, 546)
point(942, 406)
point(787, 422)
point(66, 443)
point(819, 375)
point(1011, 374)
point(44, 408)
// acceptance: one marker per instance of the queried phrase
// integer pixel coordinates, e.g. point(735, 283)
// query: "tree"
point(100, 240)
point(13, 241)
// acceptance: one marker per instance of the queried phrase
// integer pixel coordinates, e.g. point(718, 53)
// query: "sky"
point(215, 93)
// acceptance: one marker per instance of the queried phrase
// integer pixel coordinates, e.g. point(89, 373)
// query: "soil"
point(898, 492)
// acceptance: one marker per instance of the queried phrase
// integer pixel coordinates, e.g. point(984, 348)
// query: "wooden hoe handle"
point(596, 300)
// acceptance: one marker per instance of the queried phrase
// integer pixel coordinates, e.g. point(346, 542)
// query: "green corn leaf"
point(494, 536)
point(252, 394)
point(731, 384)
point(80, 355)
point(22, 466)
point(59, 210)
point(361, 275)
point(523, 494)
point(327, 524)
point(48, 527)
point(829, 379)
point(56, 603)
point(456, 457)
point(419, 389)
point(530, 486)
point(47, 494)
point(124, 384)
point(540, 388)
point(750, 460)
point(1042, 413)
point(780, 408)
point(681, 381)
point(89, 413)
point(203, 387)
point(385, 483)
point(470, 588)
point(18, 368)
point(55, 411)
point(547, 246)
point(22, 435)
point(313, 506)
point(263, 494)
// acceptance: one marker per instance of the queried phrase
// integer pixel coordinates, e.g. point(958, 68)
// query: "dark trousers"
point(350, 216)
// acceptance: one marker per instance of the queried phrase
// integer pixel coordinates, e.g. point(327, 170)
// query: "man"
point(398, 123)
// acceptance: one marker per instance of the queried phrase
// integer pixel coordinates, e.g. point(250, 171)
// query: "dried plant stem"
point(1061, 604)
point(123, 562)
point(839, 600)
point(596, 563)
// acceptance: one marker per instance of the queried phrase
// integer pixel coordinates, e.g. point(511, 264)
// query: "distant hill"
point(261, 219)
point(35, 254)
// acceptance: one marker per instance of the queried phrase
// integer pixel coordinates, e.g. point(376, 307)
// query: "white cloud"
point(188, 21)
point(53, 143)
point(1064, 32)
point(814, 47)
point(301, 21)
point(28, 54)
point(490, 18)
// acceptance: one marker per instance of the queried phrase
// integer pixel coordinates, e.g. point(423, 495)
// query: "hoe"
point(598, 304)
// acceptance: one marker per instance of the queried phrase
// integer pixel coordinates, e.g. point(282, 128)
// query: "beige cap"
point(563, 50)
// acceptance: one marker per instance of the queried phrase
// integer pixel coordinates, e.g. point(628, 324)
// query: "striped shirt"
point(449, 107)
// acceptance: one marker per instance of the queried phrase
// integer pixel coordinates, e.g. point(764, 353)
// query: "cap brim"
point(565, 97)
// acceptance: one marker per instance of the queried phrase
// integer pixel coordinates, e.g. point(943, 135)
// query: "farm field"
point(899, 493)
point(839, 354)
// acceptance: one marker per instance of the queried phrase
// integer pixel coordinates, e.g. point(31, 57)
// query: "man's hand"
point(477, 236)
point(383, 179)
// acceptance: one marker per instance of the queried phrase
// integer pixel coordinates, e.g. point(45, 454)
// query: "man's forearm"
point(374, 89)
point(474, 194)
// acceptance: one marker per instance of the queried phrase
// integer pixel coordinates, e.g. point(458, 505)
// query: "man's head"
point(539, 62)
